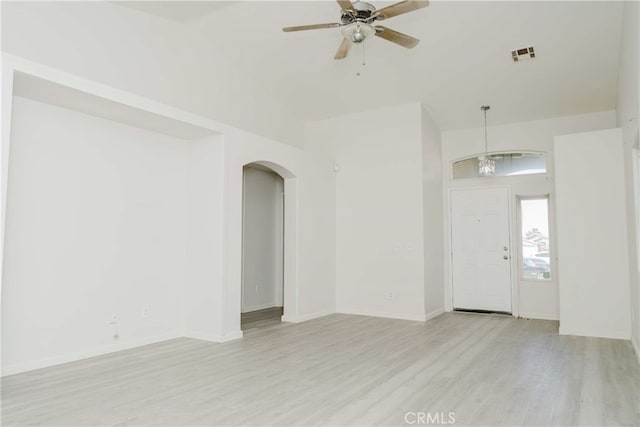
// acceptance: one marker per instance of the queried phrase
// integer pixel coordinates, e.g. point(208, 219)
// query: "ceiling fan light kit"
point(357, 32)
point(357, 22)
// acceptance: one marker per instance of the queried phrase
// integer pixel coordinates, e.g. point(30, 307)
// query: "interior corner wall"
point(6, 101)
point(94, 229)
point(379, 219)
point(204, 275)
point(628, 119)
point(592, 234)
point(262, 240)
point(433, 223)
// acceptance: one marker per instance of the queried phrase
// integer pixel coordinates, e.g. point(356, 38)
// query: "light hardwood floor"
point(344, 370)
point(261, 319)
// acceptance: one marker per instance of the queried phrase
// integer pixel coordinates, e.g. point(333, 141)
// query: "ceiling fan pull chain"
point(363, 54)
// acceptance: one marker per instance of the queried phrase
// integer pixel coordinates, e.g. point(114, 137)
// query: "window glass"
point(507, 164)
point(534, 220)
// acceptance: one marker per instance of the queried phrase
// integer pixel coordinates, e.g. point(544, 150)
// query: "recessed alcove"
point(96, 187)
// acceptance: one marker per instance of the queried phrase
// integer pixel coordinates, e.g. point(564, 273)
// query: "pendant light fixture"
point(486, 165)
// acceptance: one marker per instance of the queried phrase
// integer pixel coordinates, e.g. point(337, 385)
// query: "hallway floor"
point(261, 319)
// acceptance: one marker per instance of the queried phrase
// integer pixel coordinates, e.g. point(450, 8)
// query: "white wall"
point(309, 185)
point(592, 234)
point(628, 119)
point(531, 299)
point(262, 240)
point(172, 62)
point(91, 232)
point(189, 193)
point(432, 216)
point(379, 212)
point(204, 275)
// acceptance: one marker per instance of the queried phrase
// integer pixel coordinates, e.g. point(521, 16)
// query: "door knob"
point(505, 248)
point(505, 257)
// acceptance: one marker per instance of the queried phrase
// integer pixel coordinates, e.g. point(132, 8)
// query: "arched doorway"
point(232, 273)
point(262, 279)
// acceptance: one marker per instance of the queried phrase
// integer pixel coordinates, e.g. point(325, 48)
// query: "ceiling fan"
point(357, 21)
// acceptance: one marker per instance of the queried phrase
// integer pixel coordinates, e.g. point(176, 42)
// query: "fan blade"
point(343, 50)
point(396, 37)
point(346, 5)
point(310, 27)
point(400, 8)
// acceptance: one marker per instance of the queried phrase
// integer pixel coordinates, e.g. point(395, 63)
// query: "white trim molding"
point(304, 318)
point(539, 316)
point(433, 314)
point(85, 354)
point(399, 316)
point(231, 336)
point(617, 335)
point(101, 351)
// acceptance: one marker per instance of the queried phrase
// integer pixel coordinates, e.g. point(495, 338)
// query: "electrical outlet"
point(389, 295)
point(397, 246)
point(114, 319)
point(145, 312)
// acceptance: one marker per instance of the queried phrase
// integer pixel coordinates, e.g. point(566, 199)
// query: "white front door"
point(481, 252)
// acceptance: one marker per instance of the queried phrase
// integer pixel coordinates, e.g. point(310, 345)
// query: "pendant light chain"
point(486, 165)
point(486, 145)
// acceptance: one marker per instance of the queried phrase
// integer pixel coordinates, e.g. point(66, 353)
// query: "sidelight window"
point(535, 262)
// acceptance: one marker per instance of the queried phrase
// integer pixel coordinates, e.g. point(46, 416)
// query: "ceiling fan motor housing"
point(363, 12)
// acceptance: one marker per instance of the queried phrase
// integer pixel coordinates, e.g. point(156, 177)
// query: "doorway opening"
point(262, 247)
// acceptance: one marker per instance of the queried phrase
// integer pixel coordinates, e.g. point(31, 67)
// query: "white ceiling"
point(230, 61)
point(179, 11)
point(462, 62)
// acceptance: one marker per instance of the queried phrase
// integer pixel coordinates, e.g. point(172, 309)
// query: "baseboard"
point(231, 336)
point(85, 354)
point(213, 337)
point(305, 317)
point(539, 316)
point(387, 315)
point(433, 314)
point(618, 335)
point(636, 348)
point(259, 307)
point(101, 351)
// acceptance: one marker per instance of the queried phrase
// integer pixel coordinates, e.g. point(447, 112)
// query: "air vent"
point(523, 53)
